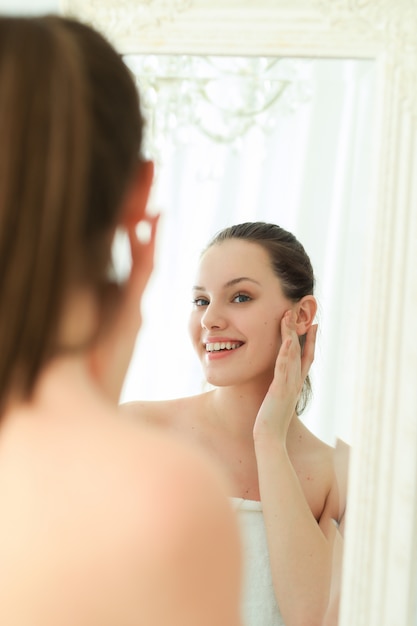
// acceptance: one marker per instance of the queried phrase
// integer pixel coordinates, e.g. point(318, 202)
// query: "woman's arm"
point(300, 549)
point(332, 613)
point(341, 463)
point(300, 552)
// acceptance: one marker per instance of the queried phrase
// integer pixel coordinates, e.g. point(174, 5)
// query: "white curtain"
point(309, 174)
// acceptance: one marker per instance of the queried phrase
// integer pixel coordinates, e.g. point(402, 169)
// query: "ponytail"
point(60, 182)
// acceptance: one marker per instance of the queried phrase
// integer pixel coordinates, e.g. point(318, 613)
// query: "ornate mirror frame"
point(380, 582)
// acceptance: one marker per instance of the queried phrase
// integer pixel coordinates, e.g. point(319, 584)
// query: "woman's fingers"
point(291, 361)
point(142, 253)
point(142, 245)
point(291, 368)
point(308, 351)
point(287, 366)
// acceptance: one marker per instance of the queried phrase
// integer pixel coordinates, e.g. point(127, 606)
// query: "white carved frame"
point(381, 541)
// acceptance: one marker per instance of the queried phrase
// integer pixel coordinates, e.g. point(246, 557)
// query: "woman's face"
point(237, 312)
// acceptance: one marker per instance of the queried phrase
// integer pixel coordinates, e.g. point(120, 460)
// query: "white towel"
point(259, 607)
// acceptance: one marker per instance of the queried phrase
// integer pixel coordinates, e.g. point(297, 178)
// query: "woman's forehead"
point(235, 257)
point(238, 249)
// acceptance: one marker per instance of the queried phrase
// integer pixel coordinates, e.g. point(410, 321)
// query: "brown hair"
point(70, 135)
point(290, 263)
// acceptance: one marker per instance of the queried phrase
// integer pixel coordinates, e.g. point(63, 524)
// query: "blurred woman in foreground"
point(103, 522)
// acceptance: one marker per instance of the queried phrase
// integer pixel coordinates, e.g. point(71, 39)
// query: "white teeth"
point(214, 347)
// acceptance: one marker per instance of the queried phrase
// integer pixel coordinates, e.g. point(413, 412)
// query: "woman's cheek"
point(273, 329)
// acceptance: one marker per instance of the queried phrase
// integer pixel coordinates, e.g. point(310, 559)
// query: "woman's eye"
point(200, 302)
point(242, 297)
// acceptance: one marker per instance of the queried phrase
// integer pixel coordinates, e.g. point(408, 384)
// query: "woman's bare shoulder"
point(164, 412)
point(336, 455)
point(188, 530)
point(168, 505)
point(312, 446)
point(153, 509)
point(166, 464)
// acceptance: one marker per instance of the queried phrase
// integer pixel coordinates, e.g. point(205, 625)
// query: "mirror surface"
point(381, 540)
point(285, 140)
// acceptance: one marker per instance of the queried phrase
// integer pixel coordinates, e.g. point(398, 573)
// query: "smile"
point(227, 345)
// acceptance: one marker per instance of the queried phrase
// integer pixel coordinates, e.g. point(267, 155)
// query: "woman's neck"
point(236, 407)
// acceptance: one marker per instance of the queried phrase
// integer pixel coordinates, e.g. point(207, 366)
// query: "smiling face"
point(238, 307)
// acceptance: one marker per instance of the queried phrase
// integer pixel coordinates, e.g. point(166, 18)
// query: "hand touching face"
point(291, 369)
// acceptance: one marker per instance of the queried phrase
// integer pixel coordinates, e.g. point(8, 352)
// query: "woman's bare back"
point(94, 528)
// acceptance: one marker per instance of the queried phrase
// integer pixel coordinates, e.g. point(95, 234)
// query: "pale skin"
point(104, 522)
point(248, 422)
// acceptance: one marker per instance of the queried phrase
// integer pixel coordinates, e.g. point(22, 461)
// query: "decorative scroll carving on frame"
point(393, 26)
point(125, 17)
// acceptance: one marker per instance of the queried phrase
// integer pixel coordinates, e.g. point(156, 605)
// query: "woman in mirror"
point(103, 522)
point(252, 327)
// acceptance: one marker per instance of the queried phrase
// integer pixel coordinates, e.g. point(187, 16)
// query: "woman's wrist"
point(270, 442)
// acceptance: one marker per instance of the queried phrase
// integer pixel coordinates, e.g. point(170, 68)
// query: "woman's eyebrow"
point(230, 283)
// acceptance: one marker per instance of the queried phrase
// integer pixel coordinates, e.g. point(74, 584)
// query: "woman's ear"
point(136, 199)
point(305, 311)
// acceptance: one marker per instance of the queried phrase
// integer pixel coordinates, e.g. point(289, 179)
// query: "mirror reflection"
point(297, 153)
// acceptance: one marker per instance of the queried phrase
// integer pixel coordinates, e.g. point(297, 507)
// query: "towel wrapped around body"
point(259, 606)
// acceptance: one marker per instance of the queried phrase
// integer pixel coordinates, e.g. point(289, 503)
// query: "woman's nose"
point(212, 318)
